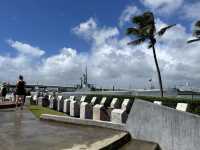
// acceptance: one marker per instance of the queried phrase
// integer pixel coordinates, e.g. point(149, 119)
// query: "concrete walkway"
point(20, 130)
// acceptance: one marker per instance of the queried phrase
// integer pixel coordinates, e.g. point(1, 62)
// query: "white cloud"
point(126, 15)
point(192, 10)
point(26, 49)
point(85, 28)
point(90, 31)
point(111, 61)
point(163, 6)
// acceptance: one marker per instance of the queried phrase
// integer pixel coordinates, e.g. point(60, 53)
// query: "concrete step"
point(135, 144)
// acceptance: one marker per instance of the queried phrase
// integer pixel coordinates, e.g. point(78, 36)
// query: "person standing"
point(3, 92)
point(20, 92)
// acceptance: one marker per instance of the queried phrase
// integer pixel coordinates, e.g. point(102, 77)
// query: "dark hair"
point(20, 77)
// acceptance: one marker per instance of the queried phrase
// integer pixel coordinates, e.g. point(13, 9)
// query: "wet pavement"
point(20, 130)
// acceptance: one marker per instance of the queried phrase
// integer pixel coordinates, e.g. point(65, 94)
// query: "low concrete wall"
point(6, 105)
point(78, 121)
point(172, 129)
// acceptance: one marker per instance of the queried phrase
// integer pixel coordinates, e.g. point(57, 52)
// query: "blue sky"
point(48, 24)
point(51, 42)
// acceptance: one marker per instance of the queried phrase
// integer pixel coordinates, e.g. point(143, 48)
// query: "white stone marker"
point(74, 108)
point(127, 104)
point(40, 101)
point(182, 106)
point(83, 98)
point(119, 116)
point(71, 97)
point(35, 98)
point(66, 107)
point(8, 97)
point(103, 101)
point(86, 111)
point(157, 102)
point(51, 102)
point(99, 113)
point(59, 99)
point(27, 100)
point(115, 103)
point(93, 101)
point(49, 97)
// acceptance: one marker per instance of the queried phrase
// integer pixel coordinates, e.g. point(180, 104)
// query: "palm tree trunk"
point(158, 69)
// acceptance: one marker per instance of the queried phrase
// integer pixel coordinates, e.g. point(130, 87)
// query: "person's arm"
point(17, 83)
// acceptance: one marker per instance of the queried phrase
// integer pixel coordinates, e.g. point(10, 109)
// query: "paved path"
point(20, 130)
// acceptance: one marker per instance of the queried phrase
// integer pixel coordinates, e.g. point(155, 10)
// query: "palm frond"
point(196, 30)
point(138, 20)
point(194, 40)
point(163, 30)
point(197, 24)
point(141, 32)
point(133, 31)
point(143, 20)
point(150, 46)
point(137, 42)
point(149, 18)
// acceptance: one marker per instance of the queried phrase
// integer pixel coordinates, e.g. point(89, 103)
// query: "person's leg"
point(22, 101)
point(17, 101)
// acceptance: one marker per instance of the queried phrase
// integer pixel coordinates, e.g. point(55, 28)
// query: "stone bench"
point(119, 116)
point(182, 106)
point(86, 111)
point(100, 113)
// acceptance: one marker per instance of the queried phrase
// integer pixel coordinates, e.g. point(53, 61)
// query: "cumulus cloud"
point(163, 6)
point(110, 60)
point(85, 29)
point(26, 49)
point(90, 31)
point(59, 69)
point(64, 67)
point(126, 15)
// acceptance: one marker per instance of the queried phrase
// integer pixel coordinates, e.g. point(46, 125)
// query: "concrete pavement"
point(20, 130)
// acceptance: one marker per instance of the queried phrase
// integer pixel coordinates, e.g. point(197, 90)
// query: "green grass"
point(39, 110)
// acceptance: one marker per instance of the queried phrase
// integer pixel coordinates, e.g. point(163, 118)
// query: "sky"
point(51, 42)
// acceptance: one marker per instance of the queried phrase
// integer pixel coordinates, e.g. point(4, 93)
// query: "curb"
point(87, 122)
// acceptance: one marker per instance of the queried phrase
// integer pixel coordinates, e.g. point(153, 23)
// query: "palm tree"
point(145, 30)
point(196, 32)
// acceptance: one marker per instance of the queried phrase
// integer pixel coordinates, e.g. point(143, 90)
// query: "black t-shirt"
point(20, 88)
